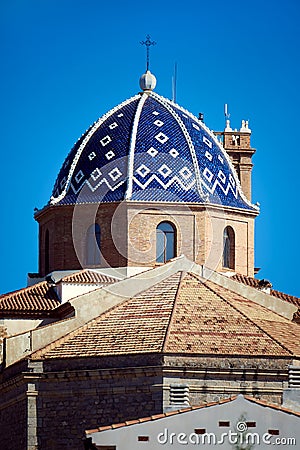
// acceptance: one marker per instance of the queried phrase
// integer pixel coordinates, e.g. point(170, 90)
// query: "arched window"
point(228, 248)
point(165, 242)
point(93, 255)
point(46, 254)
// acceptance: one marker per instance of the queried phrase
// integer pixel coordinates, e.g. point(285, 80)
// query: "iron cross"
point(148, 43)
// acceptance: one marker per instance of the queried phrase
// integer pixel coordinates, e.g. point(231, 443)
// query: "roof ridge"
point(155, 284)
point(71, 278)
point(38, 353)
point(26, 288)
point(182, 275)
point(81, 328)
point(162, 415)
point(284, 294)
point(271, 405)
point(249, 318)
point(239, 277)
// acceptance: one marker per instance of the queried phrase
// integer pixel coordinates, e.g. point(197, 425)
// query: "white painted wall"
point(177, 431)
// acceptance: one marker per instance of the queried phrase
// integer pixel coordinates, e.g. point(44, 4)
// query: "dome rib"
point(219, 144)
point(93, 129)
point(148, 148)
point(133, 137)
point(164, 103)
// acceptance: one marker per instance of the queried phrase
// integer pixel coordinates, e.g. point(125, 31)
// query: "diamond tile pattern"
point(166, 134)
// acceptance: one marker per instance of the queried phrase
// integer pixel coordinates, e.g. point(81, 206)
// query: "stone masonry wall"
point(213, 379)
point(3, 334)
point(71, 402)
point(51, 403)
point(13, 417)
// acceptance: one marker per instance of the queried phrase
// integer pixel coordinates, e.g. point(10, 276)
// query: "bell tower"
point(237, 145)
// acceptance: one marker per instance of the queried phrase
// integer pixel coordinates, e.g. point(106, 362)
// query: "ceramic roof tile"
point(137, 325)
point(254, 282)
point(182, 315)
point(277, 327)
point(87, 276)
point(204, 322)
point(38, 299)
point(249, 281)
point(176, 158)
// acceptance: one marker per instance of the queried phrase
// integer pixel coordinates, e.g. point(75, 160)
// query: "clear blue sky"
point(66, 62)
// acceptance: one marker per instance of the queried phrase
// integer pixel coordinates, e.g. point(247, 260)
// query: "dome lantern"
point(147, 81)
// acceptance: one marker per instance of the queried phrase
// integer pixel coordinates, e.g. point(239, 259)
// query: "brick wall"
point(128, 234)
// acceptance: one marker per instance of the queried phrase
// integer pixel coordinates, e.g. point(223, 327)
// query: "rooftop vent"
point(294, 377)
point(179, 395)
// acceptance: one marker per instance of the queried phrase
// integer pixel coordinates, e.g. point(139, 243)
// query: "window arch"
point(165, 242)
point(46, 254)
point(93, 240)
point(229, 248)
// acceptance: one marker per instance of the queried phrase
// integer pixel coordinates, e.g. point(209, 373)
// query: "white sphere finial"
point(147, 81)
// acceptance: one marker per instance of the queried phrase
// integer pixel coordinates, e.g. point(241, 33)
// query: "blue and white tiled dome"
point(148, 149)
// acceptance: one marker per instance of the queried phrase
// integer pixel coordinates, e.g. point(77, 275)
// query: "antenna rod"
point(226, 113)
point(175, 82)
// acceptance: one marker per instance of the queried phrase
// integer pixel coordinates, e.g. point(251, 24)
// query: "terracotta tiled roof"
point(137, 325)
point(88, 276)
point(288, 298)
point(37, 300)
point(249, 281)
point(204, 321)
point(192, 408)
point(278, 328)
point(253, 282)
point(182, 315)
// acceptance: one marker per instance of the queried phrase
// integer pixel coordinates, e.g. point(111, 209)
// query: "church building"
point(145, 301)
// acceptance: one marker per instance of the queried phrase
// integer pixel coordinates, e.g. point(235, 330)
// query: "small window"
point(224, 423)
point(274, 432)
point(93, 239)
point(165, 242)
point(228, 248)
point(47, 245)
point(251, 424)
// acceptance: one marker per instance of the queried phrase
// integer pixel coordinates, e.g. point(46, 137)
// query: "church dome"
point(149, 149)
